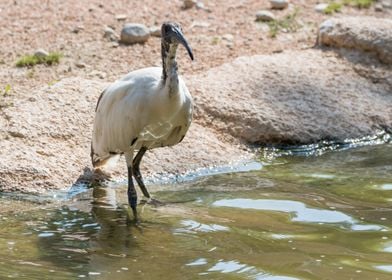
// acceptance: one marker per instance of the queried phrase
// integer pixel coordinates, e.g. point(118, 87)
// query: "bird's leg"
point(132, 194)
point(139, 178)
point(136, 171)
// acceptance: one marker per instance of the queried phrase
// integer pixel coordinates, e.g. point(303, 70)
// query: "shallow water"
point(324, 217)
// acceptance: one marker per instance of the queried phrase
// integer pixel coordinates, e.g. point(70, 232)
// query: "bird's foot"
point(132, 218)
point(100, 175)
point(152, 201)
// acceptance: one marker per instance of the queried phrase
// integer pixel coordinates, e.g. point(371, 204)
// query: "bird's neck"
point(169, 66)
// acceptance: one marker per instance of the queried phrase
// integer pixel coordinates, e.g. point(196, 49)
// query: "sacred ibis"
point(148, 108)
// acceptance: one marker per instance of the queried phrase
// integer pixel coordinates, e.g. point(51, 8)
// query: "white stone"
point(378, 7)
point(121, 17)
point(228, 37)
point(133, 33)
point(110, 34)
point(279, 4)
point(387, 4)
point(200, 5)
point(264, 16)
point(155, 31)
point(41, 53)
point(321, 7)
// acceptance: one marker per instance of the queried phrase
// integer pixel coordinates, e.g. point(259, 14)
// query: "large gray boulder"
point(360, 33)
point(296, 97)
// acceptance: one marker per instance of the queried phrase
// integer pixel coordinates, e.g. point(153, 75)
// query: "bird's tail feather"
point(105, 160)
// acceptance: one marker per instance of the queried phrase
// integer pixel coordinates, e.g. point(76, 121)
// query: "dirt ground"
point(222, 31)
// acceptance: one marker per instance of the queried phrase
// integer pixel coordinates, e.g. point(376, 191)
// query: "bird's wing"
point(121, 113)
point(99, 99)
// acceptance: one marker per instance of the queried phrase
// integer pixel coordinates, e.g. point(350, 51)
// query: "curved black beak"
point(181, 39)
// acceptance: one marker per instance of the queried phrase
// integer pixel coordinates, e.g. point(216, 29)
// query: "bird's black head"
point(172, 34)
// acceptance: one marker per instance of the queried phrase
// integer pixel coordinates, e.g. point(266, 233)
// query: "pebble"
point(121, 17)
point(110, 34)
point(228, 37)
point(77, 29)
point(279, 4)
point(378, 7)
point(188, 4)
point(41, 53)
point(133, 33)
point(155, 31)
point(387, 4)
point(321, 7)
point(264, 16)
point(115, 44)
point(98, 74)
point(80, 65)
point(199, 24)
point(201, 6)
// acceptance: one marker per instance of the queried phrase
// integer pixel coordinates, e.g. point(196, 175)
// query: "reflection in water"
point(201, 261)
point(193, 226)
point(302, 213)
point(387, 268)
point(386, 187)
point(251, 272)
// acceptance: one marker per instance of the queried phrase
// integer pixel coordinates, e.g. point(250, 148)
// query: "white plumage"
point(146, 109)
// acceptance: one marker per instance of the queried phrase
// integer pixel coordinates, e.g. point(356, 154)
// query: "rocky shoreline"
point(340, 89)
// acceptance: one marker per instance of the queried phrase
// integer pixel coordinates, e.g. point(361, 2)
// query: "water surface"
point(318, 217)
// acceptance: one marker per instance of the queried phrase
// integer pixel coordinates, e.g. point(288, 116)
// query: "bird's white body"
point(140, 110)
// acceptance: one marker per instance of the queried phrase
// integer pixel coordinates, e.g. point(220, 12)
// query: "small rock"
point(378, 7)
point(41, 53)
point(321, 7)
point(201, 6)
point(188, 4)
point(265, 16)
point(228, 37)
point(115, 44)
point(16, 134)
point(387, 4)
point(80, 65)
point(133, 33)
point(155, 31)
point(98, 74)
point(279, 4)
point(121, 17)
point(110, 34)
point(77, 29)
point(200, 24)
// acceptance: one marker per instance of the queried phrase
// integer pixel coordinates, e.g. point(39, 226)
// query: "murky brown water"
point(325, 217)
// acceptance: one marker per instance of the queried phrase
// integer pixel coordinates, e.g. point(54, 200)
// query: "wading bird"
point(146, 109)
